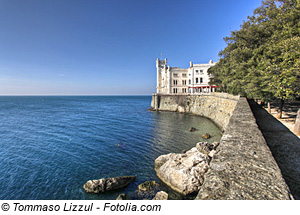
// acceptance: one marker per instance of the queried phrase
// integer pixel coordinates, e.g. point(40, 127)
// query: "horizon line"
point(79, 95)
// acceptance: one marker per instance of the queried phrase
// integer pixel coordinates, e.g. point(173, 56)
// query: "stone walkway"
point(284, 145)
point(289, 113)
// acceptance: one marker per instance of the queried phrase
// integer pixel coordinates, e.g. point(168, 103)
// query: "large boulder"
point(107, 184)
point(184, 172)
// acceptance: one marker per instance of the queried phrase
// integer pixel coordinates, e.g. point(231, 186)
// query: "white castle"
point(174, 80)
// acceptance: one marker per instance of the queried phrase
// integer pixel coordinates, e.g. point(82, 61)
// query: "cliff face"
point(243, 167)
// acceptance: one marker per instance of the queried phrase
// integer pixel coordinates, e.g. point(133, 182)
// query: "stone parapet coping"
point(244, 167)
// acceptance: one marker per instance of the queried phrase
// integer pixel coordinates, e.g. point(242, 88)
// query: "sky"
point(108, 47)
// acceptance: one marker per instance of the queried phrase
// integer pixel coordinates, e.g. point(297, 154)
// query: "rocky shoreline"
point(240, 167)
point(243, 167)
point(183, 173)
point(147, 190)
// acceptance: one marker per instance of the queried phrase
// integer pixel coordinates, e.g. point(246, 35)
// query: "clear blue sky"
point(100, 47)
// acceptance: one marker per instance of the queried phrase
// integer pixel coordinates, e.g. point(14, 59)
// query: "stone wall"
point(243, 167)
point(216, 106)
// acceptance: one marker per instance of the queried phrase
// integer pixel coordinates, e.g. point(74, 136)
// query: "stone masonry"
point(243, 167)
point(216, 106)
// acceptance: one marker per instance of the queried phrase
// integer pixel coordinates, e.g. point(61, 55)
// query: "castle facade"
point(175, 80)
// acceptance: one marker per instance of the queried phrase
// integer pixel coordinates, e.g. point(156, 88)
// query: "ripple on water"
point(50, 146)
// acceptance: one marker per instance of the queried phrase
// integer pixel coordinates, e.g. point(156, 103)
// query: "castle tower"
point(161, 68)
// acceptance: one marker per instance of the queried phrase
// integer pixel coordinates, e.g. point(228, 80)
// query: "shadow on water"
point(284, 145)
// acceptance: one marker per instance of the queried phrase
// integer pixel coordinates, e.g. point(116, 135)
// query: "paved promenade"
point(284, 145)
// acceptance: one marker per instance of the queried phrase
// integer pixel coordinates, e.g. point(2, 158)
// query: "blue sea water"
point(50, 146)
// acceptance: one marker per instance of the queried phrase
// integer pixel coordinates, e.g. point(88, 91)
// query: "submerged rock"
point(184, 172)
point(191, 129)
point(206, 136)
point(123, 196)
point(147, 190)
point(148, 185)
point(161, 195)
point(108, 184)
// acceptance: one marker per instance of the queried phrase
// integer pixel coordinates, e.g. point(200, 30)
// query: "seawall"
point(216, 106)
point(243, 167)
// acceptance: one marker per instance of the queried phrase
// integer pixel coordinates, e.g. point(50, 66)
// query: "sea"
point(50, 146)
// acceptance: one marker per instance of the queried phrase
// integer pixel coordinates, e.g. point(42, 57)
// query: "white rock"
point(184, 173)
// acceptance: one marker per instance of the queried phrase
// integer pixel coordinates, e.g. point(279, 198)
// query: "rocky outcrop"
point(107, 184)
point(184, 172)
point(161, 195)
point(207, 148)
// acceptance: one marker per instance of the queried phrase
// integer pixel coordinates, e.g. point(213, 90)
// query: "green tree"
point(283, 60)
point(261, 60)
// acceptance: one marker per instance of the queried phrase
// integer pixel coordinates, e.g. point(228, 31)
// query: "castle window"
point(190, 81)
point(175, 82)
point(197, 71)
point(197, 80)
point(175, 75)
point(201, 71)
point(184, 82)
point(201, 80)
point(184, 75)
point(174, 90)
point(183, 90)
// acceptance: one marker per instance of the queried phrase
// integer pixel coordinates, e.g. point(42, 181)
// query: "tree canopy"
point(262, 59)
